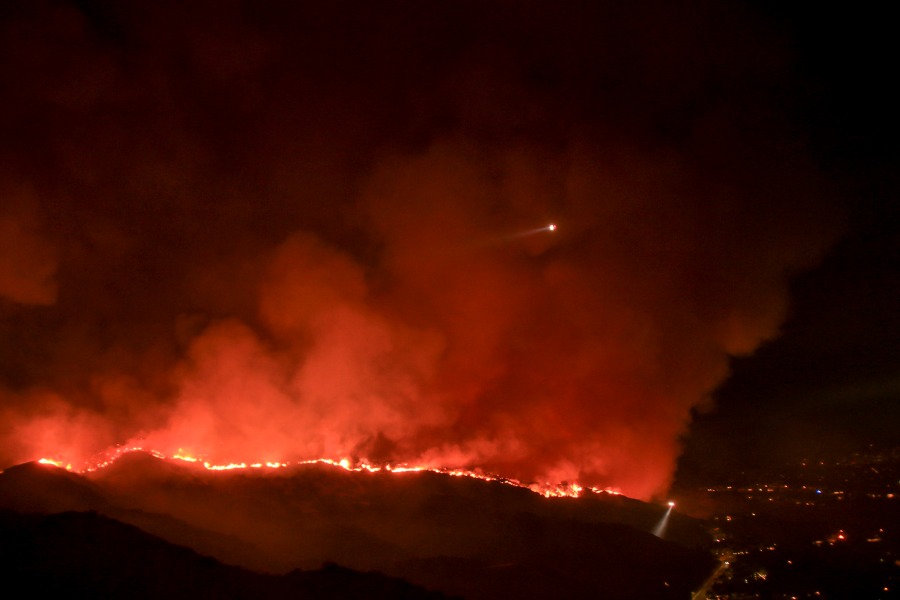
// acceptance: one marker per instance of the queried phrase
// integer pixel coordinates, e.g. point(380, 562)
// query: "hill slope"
point(87, 555)
point(464, 536)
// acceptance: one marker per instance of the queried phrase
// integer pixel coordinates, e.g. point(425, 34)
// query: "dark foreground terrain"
point(147, 528)
point(87, 555)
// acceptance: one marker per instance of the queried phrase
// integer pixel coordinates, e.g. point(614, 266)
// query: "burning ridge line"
point(547, 489)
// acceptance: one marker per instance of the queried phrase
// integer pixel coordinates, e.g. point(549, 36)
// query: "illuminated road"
point(701, 593)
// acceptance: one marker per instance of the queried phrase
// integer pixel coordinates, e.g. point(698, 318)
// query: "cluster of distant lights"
point(816, 491)
point(767, 491)
point(548, 490)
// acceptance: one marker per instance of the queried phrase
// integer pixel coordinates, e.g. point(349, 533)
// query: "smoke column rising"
point(271, 232)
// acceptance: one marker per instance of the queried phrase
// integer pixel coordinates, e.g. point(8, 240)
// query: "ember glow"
point(546, 489)
point(266, 236)
point(55, 463)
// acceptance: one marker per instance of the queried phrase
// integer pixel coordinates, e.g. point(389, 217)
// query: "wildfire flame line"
point(547, 489)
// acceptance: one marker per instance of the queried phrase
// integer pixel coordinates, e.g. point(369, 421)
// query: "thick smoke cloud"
point(27, 260)
point(273, 232)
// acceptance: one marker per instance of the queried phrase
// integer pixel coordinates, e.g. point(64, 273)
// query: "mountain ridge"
point(464, 536)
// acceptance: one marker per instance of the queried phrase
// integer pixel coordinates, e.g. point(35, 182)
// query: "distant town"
point(812, 529)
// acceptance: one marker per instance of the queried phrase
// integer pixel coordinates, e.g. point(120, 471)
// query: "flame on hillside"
point(233, 255)
point(546, 489)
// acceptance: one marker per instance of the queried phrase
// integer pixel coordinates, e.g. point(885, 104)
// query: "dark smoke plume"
point(277, 231)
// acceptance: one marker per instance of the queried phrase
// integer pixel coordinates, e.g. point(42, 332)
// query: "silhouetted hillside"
point(86, 555)
point(33, 487)
point(464, 536)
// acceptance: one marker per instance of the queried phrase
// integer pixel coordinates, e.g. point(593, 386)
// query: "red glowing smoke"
point(285, 234)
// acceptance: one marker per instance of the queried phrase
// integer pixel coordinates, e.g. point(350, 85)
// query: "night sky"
point(289, 230)
point(829, 385)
